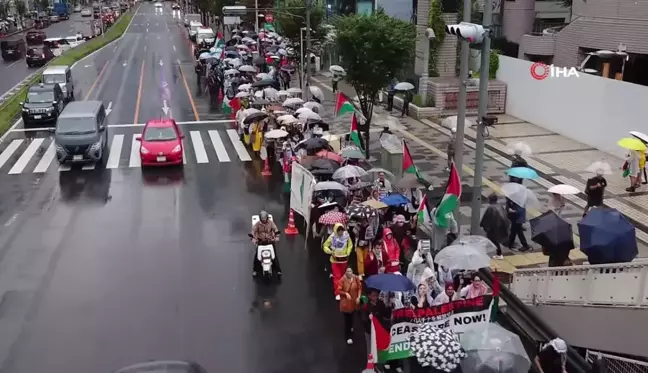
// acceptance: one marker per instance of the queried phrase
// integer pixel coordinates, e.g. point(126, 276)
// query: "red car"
point(161, 143)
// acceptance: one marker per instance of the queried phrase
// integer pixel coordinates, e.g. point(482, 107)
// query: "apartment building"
point(594, 25)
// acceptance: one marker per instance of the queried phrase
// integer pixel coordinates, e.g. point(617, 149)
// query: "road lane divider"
point(138, 100)
point(186, 85)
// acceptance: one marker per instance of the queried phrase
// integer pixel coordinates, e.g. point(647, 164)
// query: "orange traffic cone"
point(266, 168)
point(370, 365)
point(291, 230)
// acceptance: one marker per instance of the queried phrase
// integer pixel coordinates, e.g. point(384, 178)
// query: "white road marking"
point(8, 66)
point(135, 160)
point(238, 145)
point(47, 159)
point(219, 146)
point(174, 49)
point(26, 156)
point(11, 220)
point(199, 147)
point(115, 151)
point(8, 152)
point(43, 129)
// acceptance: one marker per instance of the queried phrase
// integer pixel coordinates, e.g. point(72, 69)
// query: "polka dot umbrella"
point(436, 348)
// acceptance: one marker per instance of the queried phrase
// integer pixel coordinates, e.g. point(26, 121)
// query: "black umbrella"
point(325, 164)
point(552, 232)
point(321, 172)
point(260, 102)
point(312, 144)
point(263, 83)
point(255, 117)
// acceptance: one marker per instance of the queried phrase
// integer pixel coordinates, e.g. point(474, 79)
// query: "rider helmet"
point(263, 215)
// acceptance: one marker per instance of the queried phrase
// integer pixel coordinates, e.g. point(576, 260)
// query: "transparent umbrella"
point(377, 170)
point(317, 93)
point(492, 346)
point(520, 195)
point(600, 168)
point(451, 122)
point(520, 148)
point(314, 106)
point(404, 86)
point(477, 241)
point(465, 257)
point(348, 172)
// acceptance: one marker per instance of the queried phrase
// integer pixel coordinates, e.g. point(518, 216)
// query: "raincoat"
point(339, 248)
point(256, 136)
point(417, 267)
point(393, 252)
point(440, 235)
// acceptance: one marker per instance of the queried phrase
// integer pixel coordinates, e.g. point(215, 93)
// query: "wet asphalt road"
point(107, 267)
point(13, 72)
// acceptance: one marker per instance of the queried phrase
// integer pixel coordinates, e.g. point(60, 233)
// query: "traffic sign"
point(269, 18)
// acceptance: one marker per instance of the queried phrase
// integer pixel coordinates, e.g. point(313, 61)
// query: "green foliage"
point(43, 5)
point(436, 23)
point(493, 64)
point(291, 17)
point(10, 109)
point(374, 49)
point(4, 8)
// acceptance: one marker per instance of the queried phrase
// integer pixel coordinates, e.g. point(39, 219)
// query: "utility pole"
point(306, 88)
point(481, 123)
point(461, 115)
point(256, 16)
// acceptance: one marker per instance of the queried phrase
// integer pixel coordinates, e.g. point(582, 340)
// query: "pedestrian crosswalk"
point(38, 155)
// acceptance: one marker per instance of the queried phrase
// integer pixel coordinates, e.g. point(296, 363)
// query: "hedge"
point(11, 108)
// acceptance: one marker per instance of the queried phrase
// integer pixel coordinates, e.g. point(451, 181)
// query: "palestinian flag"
point(231, 106)
point(408, 162)
point(450, 200)
point(343, 105)
point(354, 135)
point(423, 212)
point(380, 339)
point(496, 295)
point(219, 41)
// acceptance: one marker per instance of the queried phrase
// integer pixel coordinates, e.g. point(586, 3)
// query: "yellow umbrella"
point(374, 204)
point(631, 144)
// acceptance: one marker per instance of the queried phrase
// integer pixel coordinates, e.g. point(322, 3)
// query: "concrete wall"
point(518, 19)
point(593, 110)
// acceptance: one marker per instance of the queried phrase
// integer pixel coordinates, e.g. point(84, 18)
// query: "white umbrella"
point(287, 119)
point(404, 86)
point(467, 257)
point(314, 106)
point(293, 101)
point(520, 148)
point(276, 134)
point(283, 93)
point(245, 87)
point(520, 195)
point(329, 185)
point(204, 56)
point(271, 94)
point(640, 135)
point(303, 110)
point(451, 122)
point(377, 170)
point(335, 69)
point(476, 241)
point(251, 111)
point(294, 91)
point(306, 115)
point(242, 94)
point(317, 93)
point(563, 189)
point(263, 76)
point(247, 69)
point(258, 94)
point(491, 348)
point(600, 168)
point(349, 171)
point(243, 47)
point(231, 72)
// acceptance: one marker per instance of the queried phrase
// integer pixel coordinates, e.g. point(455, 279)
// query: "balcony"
point(538, 44)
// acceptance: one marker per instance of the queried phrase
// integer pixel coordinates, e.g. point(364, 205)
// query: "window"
point(54, 78)
point(76, 126)
point(40, 97)
point(160, 134)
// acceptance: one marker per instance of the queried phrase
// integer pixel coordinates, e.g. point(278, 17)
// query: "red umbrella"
point(330, 155)
point(333, 217)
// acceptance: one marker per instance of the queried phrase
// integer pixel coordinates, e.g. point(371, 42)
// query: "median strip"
point(10, 108)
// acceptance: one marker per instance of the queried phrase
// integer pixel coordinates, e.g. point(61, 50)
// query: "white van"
point(194, 26)
point(205, 35)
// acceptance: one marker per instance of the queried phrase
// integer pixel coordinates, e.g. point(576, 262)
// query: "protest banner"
point(458, 316)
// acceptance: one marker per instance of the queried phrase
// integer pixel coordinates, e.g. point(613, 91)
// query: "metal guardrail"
point(617, 285)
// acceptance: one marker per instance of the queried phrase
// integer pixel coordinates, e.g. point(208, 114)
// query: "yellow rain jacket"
point(338, 247)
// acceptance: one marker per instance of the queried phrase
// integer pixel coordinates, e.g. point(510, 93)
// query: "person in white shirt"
point(447, 296)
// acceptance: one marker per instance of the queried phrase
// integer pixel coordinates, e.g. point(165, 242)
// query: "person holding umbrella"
point(494, 223)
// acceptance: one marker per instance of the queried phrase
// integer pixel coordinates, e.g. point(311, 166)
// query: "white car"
point(77, 9)
point(86, 12)
point(75, 40)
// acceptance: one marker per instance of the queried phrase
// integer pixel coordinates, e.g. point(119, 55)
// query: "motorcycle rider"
point(265, 232)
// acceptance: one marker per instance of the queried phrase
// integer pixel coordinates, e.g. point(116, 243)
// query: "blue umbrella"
point(395, 199)
point(522, 173)
point(389, 282)
point(607, 237)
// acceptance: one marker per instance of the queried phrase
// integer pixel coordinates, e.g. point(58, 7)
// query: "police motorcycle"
point(265, 252)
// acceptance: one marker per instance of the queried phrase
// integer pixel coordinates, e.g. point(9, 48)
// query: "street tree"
point(21, 9)
point(4, 8)
point(291, 17)
point(43, 5)
point(374, 49)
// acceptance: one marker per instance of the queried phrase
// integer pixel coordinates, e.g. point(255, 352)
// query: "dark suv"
point(44, 103)
point(39, 56)
point(35, 37)
point(12, 48)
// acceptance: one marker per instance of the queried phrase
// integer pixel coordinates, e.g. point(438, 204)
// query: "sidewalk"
point(559, 160)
